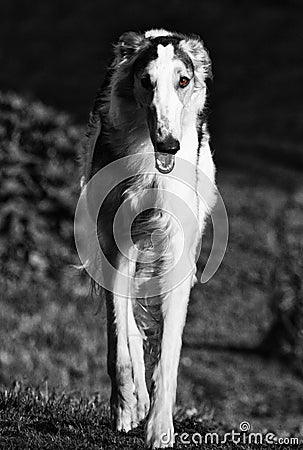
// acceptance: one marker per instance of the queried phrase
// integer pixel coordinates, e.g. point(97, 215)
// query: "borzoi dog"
point(152, 102)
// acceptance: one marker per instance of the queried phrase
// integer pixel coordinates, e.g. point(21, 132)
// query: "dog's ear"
point(194, 47)
point(128, 44)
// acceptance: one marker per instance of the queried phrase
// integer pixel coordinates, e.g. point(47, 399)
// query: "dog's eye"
point(183, 82)
point(146, 82)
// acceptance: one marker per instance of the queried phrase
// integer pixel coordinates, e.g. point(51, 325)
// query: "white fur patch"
point(157, 33)
point(165, 54)
point(160, 69)
point(166, 101)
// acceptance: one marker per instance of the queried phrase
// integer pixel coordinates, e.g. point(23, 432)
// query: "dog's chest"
point(161, 202)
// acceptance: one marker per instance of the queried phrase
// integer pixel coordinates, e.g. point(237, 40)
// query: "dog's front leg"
point(123, 398)
point(135, 343)
point(160, 430)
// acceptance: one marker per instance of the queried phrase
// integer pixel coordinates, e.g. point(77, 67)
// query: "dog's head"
point(167, 73)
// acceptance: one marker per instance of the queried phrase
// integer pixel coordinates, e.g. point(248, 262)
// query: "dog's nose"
point(169, 145)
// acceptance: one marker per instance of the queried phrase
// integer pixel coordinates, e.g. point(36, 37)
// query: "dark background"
point(56, 51)
point(236, 364)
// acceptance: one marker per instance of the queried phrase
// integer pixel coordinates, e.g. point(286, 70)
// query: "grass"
point(33, 418)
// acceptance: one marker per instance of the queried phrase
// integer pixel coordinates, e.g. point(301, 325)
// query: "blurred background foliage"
point(38, 188)
point(242, 354)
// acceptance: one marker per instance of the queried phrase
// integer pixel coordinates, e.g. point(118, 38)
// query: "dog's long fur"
point(140, 109)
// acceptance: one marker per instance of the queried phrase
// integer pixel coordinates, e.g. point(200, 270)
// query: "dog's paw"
point(159, 431)
point(123, 407)
point(143, 404)
point(127, 411)
point(124, 417)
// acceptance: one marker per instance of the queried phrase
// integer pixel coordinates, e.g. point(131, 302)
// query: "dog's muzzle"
point(165, 152)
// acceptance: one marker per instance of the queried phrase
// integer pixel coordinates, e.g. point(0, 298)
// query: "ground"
point(38, 419)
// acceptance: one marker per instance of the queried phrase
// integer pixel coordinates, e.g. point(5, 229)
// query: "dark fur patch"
point(150, 53)
point(201, 119)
